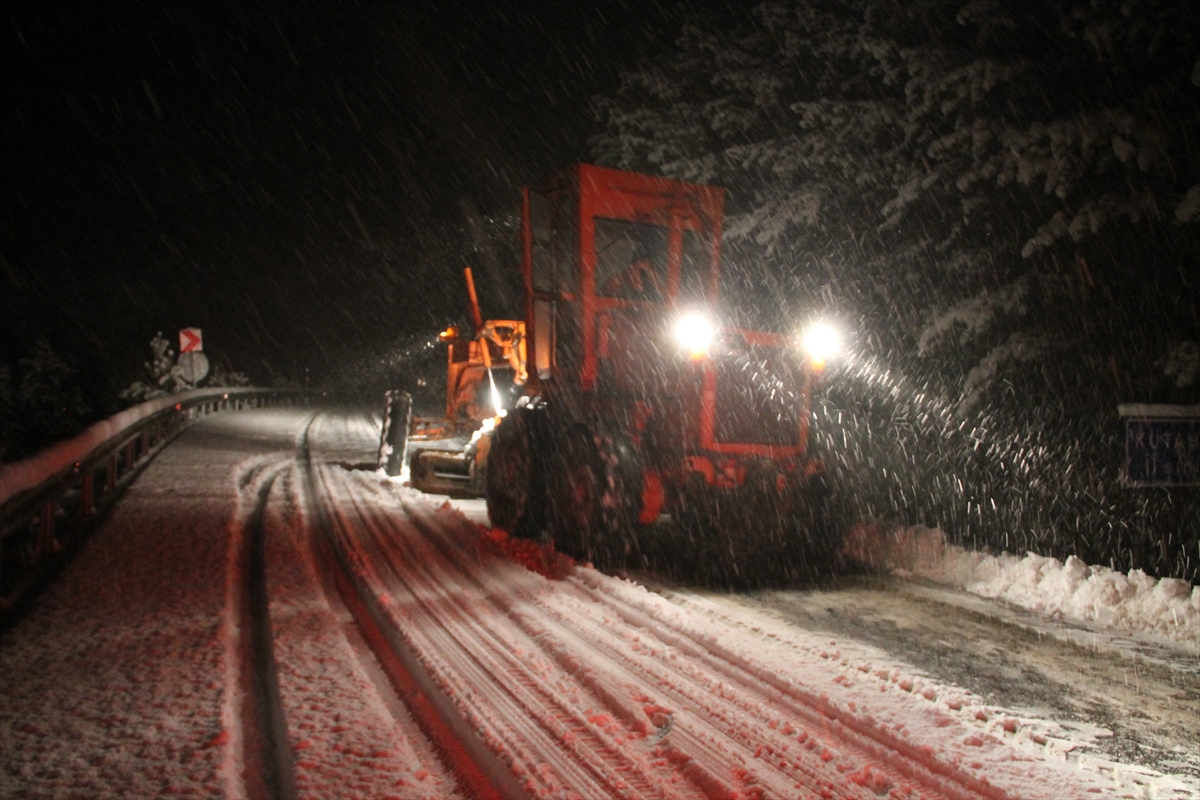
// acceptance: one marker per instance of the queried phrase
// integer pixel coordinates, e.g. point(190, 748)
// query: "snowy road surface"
point(263, 616)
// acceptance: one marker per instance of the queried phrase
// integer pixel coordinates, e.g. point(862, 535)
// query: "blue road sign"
point(1162, 445)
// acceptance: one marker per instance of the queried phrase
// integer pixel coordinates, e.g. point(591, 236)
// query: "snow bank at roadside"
point(1132, 601)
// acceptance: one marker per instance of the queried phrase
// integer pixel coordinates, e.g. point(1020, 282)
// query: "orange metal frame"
point(608, 193)
point(708, 410)
point(677, 206)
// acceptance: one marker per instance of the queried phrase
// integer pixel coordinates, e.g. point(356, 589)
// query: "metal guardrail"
point(78, 481)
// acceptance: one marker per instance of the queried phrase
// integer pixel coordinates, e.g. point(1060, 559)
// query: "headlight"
point(821, 342)
point(695, 333)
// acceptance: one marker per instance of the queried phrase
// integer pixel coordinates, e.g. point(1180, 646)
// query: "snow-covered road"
point(265, 615)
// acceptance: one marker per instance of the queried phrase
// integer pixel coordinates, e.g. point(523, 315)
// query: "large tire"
point(574, 487)
point(623, 465)
point(516, 496)
point(393, 440)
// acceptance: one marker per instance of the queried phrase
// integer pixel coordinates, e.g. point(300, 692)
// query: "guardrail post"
point(87, 495)
point(45, 540)
point(131, 453)
point(110, 479)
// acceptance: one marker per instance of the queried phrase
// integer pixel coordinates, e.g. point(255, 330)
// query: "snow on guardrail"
point(28, 473)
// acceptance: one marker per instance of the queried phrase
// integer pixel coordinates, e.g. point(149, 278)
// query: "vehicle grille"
point(757, 399)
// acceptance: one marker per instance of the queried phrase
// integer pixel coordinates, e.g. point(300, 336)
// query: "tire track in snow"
point(682, 738)
point(582, 685)
point(897, 761)
point(476, 766)
point(258, 759)
point(350, 731)
point(772, 711)
point(424, 616)
point(705, 766)
point(712, 695)
point(501, 668)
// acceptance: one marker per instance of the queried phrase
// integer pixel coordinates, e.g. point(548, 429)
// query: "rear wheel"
point(514, 482)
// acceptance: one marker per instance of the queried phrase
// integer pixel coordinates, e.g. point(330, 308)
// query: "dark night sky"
point(298, 179)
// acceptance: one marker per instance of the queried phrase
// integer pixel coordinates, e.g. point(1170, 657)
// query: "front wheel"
point(514, 484)
point(574, 489)
point(393, 439)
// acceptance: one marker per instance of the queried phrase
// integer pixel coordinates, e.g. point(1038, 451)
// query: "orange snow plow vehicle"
point(445, 455)
point(638, 402)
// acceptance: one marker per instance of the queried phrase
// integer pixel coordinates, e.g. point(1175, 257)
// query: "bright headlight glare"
point(821, 342)
point(694, 332)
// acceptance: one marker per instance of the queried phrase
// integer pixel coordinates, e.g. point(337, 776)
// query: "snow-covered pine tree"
point(158, 373)
point(221, 375)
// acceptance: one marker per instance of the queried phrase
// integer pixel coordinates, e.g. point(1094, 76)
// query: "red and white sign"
point(189, 340)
